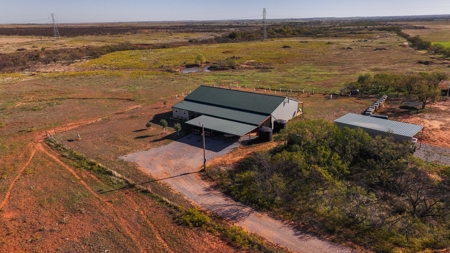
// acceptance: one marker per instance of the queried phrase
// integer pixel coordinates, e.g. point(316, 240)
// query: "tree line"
point(423, 86)
point(311, 29)
point(421, 44)
point(24, 59)
point(110, 29)
point(342, 182)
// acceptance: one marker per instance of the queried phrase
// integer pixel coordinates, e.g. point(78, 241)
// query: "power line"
point(55, 28)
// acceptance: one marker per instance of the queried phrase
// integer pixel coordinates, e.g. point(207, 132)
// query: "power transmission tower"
point(55, 28)
point(264, 25)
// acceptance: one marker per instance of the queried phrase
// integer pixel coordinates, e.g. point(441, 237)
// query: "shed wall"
point(180, 114)
point(286, 110)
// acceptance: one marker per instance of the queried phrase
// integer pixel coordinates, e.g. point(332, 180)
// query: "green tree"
point(426, 93)
point(149, 124)
point(200, 59)
point(363, 83)
point(234, 35)
point(364, 78)
point(383, 81)
point(177, 128)
point(409, 82)
point(163, 123)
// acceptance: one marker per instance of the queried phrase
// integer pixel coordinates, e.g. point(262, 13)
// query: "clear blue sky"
point(74, 11)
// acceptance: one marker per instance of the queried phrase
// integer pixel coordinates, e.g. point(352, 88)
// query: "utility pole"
point(55, 28)
point(204, 146)
point(264, 25)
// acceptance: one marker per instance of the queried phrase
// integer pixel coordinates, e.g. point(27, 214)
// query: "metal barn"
point(232, 112)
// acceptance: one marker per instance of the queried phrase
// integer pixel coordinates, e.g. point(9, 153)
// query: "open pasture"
point(435, 31)
point(323, 64)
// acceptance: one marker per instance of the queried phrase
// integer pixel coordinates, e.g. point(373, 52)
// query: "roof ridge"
point(226, 107)
point(251, 92)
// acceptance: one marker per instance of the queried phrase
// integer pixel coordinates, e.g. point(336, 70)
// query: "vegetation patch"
point(344, 183)
point(193, 217)
point(422, 86)
point(82, 162)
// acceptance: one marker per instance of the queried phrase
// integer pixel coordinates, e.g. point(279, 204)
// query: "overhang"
point(222, 125)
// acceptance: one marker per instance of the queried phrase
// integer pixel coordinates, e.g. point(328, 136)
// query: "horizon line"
point(228, 20)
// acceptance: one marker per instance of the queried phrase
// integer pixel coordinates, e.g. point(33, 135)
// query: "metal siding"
point(180, 113)
point(400, 130)
point(224, 113)
point(236, 99)
point(286, 110)
point(221, 125)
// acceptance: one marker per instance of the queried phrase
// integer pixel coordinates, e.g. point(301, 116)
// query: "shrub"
point(194, 218)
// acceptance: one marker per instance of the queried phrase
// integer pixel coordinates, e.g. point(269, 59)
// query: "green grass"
point(13, 77)
point(238, 237)
point(88, 73)
point(264, 52)
point(445, 44)
point(313, 65)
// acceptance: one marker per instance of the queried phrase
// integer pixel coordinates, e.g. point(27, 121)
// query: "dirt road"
point(433, 154)
point(177, 164)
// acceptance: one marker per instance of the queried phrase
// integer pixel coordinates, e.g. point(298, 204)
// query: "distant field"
point(321, 64)
point(437, 31)
point(10, 44)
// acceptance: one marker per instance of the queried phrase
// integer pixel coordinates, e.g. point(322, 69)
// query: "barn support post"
point(421, 137)
point(204, 146)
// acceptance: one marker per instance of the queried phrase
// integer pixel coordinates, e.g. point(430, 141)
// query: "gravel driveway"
point(433, 154)
point(177, 164)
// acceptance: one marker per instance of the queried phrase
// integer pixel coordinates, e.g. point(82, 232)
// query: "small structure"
point(376, 126)
point(232, 112)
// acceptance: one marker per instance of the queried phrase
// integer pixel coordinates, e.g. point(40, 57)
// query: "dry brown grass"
point(436, 31)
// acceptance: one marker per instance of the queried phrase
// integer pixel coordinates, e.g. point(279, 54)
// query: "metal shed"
point(375, 126)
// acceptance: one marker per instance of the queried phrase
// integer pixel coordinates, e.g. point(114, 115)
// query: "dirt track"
point(177, 164)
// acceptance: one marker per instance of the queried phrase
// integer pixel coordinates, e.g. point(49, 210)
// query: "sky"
point(85, 11)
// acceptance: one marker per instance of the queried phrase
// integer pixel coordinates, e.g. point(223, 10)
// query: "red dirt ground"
point(51, 206)
point(436, 124)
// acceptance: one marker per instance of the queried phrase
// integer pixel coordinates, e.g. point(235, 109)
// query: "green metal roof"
point(221, 125)
point(381, 125)
point(236, 99)
point(223, 113)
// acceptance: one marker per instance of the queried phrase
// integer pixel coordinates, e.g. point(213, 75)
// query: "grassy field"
point(321, 64)
point(435, 31)
point(445, 44)
point(10, 44)
point(107, 101)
